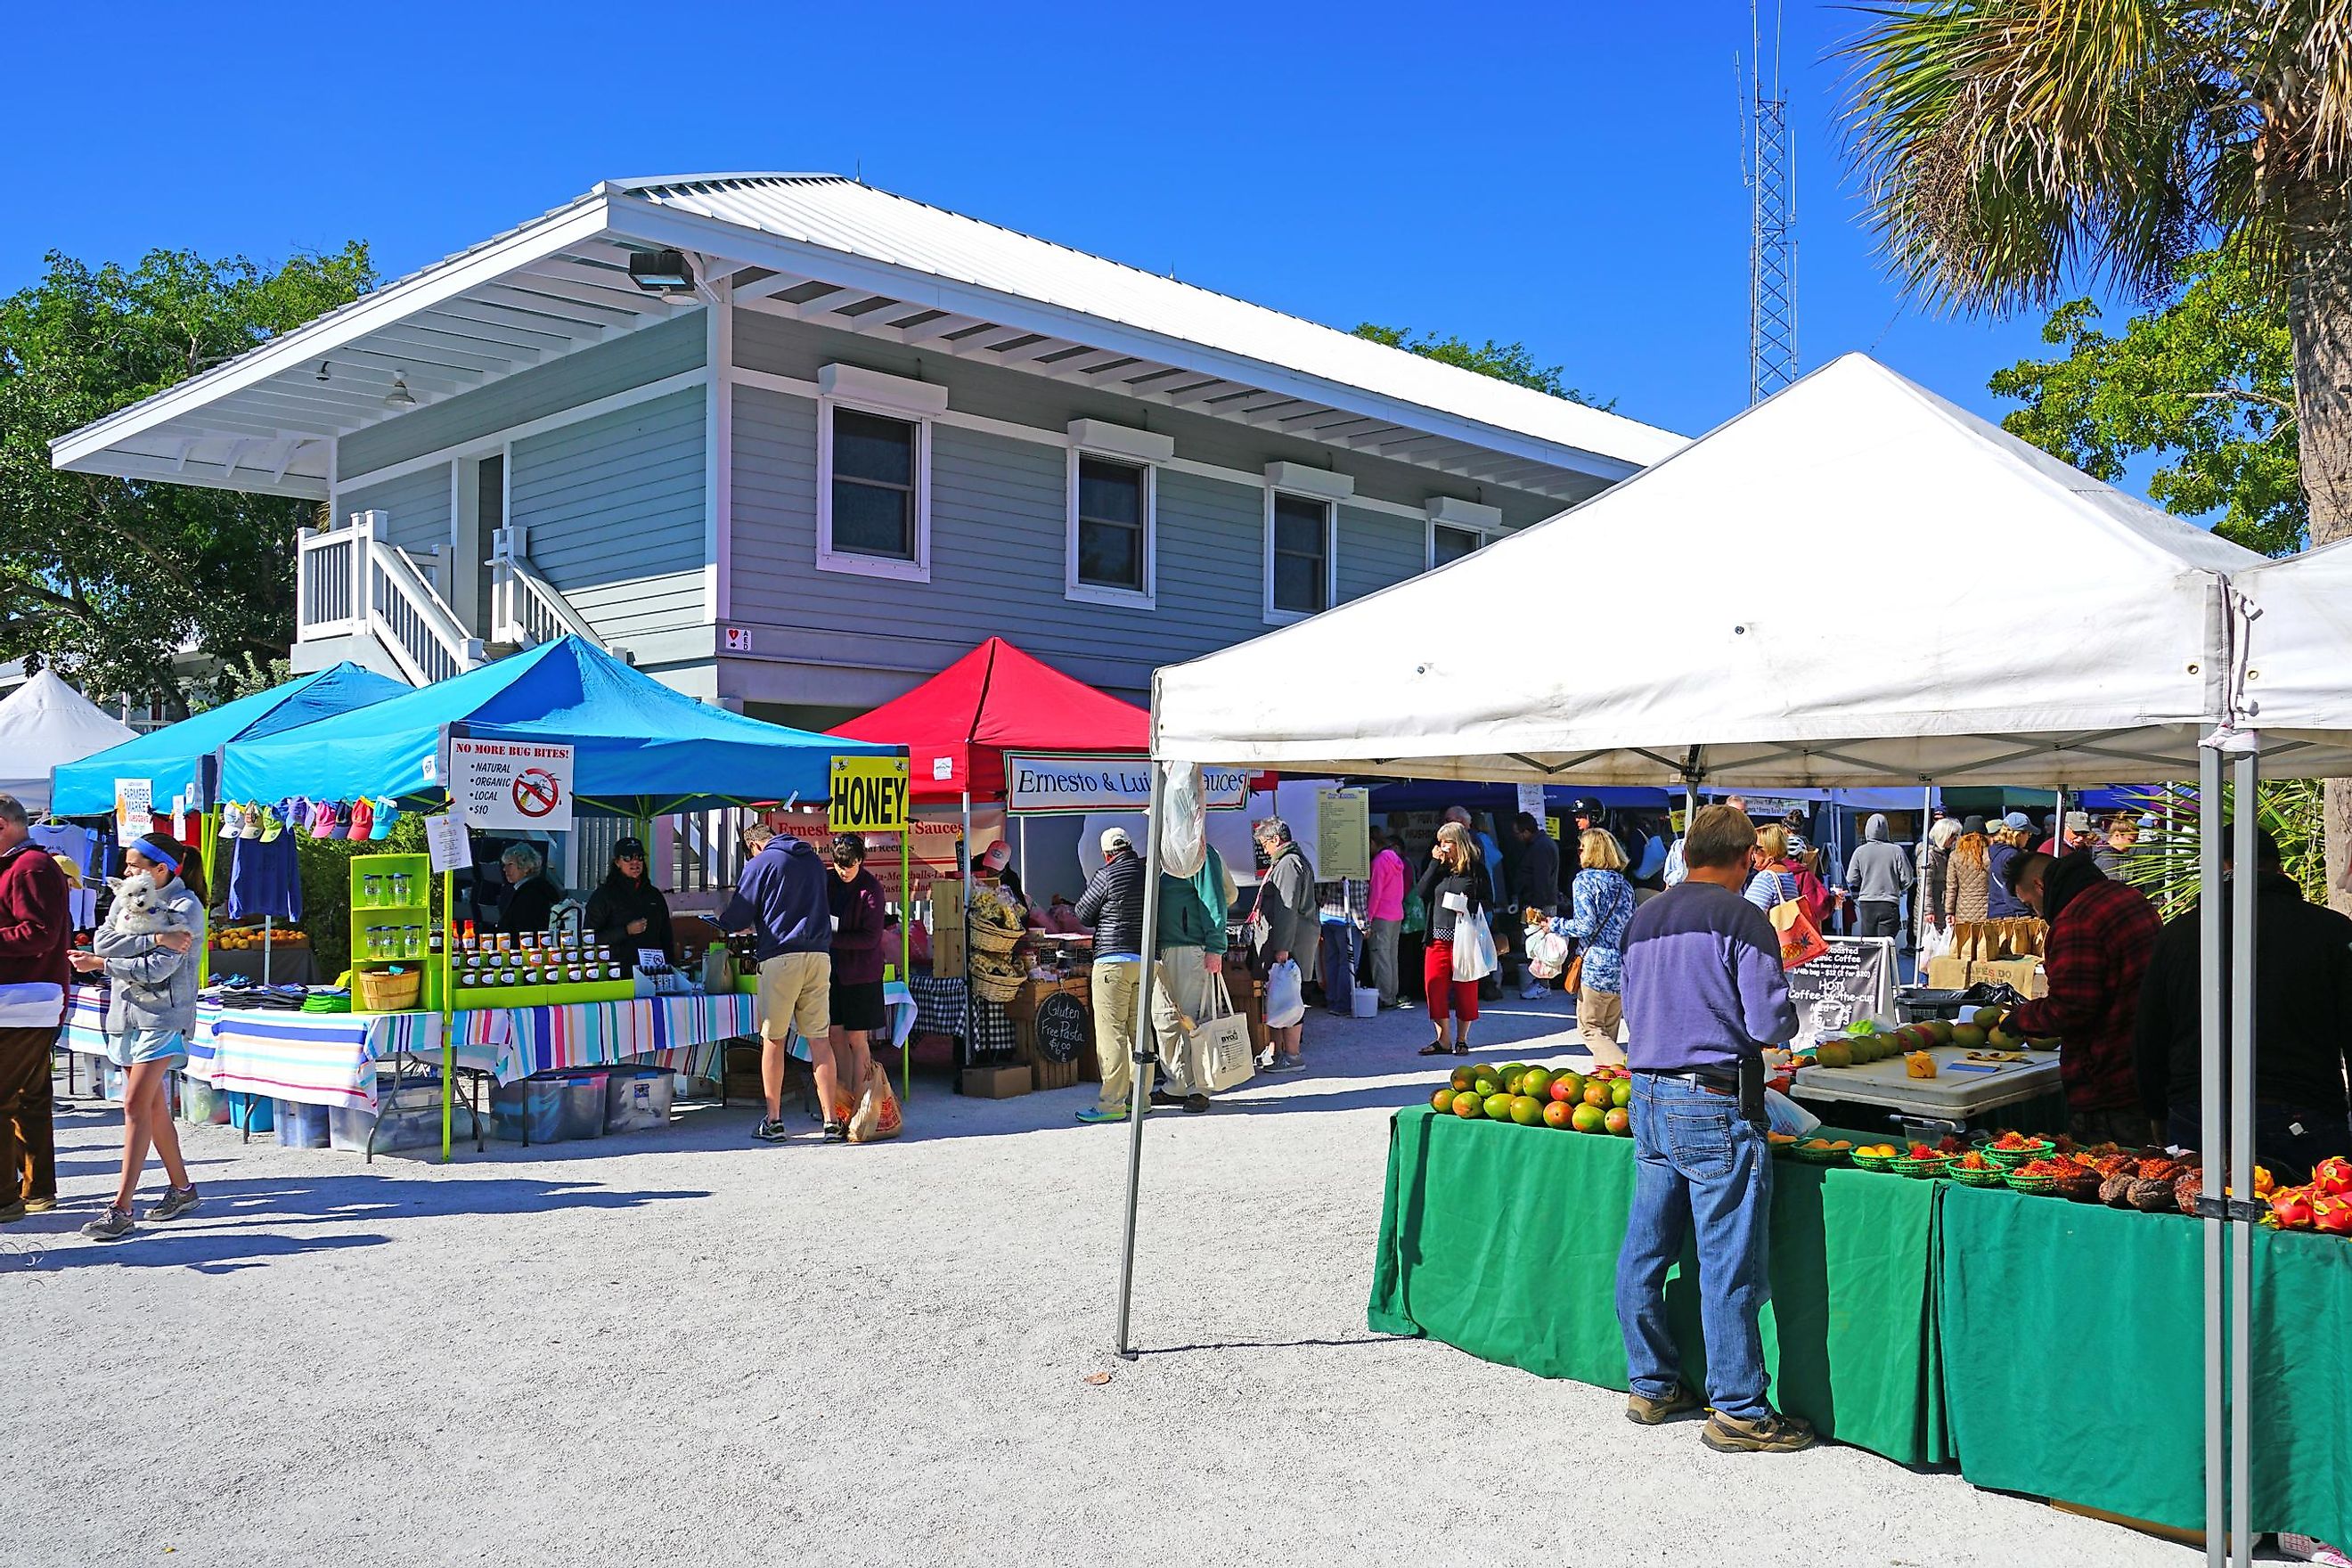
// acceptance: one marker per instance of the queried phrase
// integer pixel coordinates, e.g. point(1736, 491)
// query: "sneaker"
point(1196, 1103)
point(836, 1131)
point(1776, 1434)
point(1094, 1113)
point(178, 1202)
point(41, 1206)
point(1284, 1064)
point(772, 1130)
point(13, 1212)
point(1163, 1101)
point(1643, 1411)
point(1534, 993)
point(113, 1223)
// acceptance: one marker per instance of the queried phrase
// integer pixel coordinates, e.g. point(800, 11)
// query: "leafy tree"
point(1504, 362)
point(109, 577)
point(2206, 382)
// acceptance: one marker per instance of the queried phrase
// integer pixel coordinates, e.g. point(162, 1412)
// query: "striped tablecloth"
point(85, 1029)
point(327, 1058)
point(682, 1033)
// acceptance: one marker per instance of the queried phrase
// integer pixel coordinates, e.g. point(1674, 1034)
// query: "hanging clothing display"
point(265, 878)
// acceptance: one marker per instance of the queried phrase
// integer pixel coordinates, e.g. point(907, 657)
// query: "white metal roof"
point(822, 248)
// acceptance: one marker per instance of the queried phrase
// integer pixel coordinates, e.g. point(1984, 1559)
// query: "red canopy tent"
point(958, 725)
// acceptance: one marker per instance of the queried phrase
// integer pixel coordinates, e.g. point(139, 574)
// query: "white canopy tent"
point(2116, 647)
point(1610, 640)
point(45, 722)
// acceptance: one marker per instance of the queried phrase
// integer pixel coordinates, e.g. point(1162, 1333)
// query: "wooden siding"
point(417, 508)
point(614, 508)
point(580, 377)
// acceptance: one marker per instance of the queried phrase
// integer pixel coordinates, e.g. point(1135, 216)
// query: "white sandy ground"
point(688, 1348)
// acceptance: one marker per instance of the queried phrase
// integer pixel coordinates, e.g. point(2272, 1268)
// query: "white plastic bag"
point(1184, 839)
point(1547, 952)
point(1936, 944)
point(1285, 996)
point(1786, 1116)
point(1474, 948)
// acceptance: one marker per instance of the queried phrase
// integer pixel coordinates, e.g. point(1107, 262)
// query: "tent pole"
point(1138, 1100)
point(2212, 1135)
point(970, 879)
point(2242, 1159)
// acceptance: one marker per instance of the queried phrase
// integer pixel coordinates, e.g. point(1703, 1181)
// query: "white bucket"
point(1365, 1002)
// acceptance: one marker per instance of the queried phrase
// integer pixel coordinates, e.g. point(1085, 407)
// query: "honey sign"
point(868, 795)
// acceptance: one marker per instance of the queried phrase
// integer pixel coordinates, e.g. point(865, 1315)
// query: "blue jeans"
point(1697, 1167)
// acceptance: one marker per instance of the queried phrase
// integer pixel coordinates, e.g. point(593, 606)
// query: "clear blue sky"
point(1566, 174)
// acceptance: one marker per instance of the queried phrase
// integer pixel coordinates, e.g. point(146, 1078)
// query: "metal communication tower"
point(1771, 254)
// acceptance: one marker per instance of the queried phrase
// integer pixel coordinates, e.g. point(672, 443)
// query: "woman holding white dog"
point(147, 948)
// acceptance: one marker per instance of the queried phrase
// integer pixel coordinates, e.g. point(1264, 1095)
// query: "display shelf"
point(387, 911)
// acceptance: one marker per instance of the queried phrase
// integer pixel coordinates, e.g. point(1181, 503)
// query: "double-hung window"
point(874, 500)
point(1299, 556)
point(1452, 543)
point(1111, 528)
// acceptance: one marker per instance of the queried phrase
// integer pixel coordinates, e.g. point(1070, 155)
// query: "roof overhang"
point(265, 421)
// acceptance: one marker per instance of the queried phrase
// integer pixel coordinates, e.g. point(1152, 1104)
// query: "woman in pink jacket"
point(1384, 914)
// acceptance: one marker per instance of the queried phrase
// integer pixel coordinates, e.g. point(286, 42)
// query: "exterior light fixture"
point(662, 273)
point(399, 396)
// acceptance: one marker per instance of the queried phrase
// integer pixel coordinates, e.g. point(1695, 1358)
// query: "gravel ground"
point(687, 1348)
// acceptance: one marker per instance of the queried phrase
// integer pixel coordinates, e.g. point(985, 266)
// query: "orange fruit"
point(1598, 1094)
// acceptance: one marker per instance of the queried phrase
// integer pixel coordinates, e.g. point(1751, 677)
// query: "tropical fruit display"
point(1523, 1096)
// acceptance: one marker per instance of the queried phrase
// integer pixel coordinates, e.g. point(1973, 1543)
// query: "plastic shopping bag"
point(1474, 948)
point(1286, 994)
point(1786, 1116)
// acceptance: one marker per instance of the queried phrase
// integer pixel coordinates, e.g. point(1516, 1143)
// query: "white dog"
point(140, 907)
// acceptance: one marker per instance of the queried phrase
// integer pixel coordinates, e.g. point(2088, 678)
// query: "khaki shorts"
point(796, 990)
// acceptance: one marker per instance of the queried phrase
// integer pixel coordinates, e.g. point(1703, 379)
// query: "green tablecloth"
point(2073, 1345)
point(1503, 1241)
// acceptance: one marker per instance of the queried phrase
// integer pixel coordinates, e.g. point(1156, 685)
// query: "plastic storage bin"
point(584, 1104)
point(529, 1110)
point(411, 1120)
point(637, 1099)
point(1365, 1002)
point(300, 1125)
point(250, 1112)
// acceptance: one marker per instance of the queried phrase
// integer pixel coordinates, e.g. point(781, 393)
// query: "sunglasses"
point(626, 855)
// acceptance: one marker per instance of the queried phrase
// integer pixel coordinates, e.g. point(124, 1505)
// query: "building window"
point(1111, 529)
point(1452, 543)
point(873, 493)
point(1299, 556)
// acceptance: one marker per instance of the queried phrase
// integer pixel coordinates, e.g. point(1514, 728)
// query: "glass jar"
point(403, 886)
point(412, 941)
point(506, 942)
point(371, 891)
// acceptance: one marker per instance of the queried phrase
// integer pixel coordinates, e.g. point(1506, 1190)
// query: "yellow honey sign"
point(869, 795)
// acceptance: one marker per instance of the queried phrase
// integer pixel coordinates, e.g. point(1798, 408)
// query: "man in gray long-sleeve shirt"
point(1879, 877)
point(1704, 994)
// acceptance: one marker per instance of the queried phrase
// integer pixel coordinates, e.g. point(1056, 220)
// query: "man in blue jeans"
point(1704, 992)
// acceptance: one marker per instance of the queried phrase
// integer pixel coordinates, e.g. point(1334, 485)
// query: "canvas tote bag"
point(1222, 1058)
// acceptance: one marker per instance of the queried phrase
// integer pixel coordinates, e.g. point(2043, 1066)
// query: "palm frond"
point(2166, 864)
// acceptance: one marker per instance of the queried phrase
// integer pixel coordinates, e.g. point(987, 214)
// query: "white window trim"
point(1330, 505)
point(1480, 534)
point(850, 562)
point(1095, 592)
point(1475, 518)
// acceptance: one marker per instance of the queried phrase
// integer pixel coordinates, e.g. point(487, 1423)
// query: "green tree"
point(2206, 382)
point(1504, 362)
point(109, 577)
point(2013, 147)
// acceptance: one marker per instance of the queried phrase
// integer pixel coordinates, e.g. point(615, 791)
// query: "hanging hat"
point(386, 814)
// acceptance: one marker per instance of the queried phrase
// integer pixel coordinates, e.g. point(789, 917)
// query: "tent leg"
point(2241, 1160)
point(1138, 1100)
point(971, 874)
point(2214, 1138)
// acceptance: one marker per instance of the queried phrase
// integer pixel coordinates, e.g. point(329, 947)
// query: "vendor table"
point(1503, 1241)
point(2028, 1092)
point(684, 1033)
point(938, 1002)
point(2050, 1347)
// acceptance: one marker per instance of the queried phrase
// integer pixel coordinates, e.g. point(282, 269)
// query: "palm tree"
point(2013, 146)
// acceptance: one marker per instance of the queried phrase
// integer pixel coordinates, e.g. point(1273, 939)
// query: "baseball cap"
point(1116, 838)
point(2018, 819)
point(998, 856)
point(2078, 822)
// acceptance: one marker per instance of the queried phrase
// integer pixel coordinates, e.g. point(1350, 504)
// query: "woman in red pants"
point(1455, 889)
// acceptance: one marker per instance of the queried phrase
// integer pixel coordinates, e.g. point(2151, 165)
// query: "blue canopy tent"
point(640, 750)
point(183, 758)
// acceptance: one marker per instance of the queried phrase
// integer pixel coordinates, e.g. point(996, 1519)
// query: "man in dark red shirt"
point(2102, 933)
point(35, 930)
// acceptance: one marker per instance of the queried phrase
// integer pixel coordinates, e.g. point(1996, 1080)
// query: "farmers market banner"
point(1043, 785)
point(931, 852)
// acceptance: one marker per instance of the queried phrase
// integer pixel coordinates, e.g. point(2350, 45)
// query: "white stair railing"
point(525, 607)
point(326, 598)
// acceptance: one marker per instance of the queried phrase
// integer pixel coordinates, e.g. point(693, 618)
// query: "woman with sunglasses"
point(627, 911)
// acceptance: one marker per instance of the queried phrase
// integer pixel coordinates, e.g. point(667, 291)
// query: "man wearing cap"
point(1113, 905)
point(2077, 835)
point(1535, 884)
point(35, 930)
point(997, 861)
point(784, 899)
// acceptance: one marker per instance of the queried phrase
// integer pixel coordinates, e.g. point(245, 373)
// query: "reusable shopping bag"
point(1223, 1057)
point(1801, 938)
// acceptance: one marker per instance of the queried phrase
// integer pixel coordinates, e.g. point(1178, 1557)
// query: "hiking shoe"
point(1536, 993)
point(772, 1130)
point(1284, 1064)
point(114, 1222)
point(1643, 1411)
point(11, 1213)
point(1196, 1103)
point(1162, 1100)
point(1776, 1434)
point(178, 1202)
point(1094, 1113)
point(836, 1131)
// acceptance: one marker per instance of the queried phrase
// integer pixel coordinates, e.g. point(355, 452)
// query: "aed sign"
point(505, 785)
point(1045, 786)
point(868, 795)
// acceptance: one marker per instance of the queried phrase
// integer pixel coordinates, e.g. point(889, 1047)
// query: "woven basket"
point(2011, 1159)
point(1819, 1156)
point(1995, 1177)
point(1933, 1166)
point(379, 990)
point(991, 928)
point(997, 988)
point(1874, 1161)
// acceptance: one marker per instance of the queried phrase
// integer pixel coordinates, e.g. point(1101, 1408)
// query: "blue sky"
point(1566, 174)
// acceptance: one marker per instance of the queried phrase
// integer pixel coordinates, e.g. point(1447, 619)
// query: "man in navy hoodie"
point(782, 899)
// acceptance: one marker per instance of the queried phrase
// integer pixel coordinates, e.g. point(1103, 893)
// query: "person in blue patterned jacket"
point(1601, 907)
